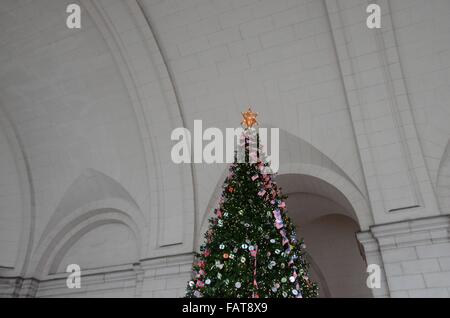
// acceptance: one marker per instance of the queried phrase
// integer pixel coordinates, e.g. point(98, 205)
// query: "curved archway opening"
point(101, 244)
point(327, 221)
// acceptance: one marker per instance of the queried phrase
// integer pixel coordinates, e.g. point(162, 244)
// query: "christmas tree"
point(251, 248)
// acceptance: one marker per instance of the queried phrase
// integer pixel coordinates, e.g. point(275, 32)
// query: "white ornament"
point(237, 285)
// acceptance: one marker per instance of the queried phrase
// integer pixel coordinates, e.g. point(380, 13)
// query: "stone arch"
point(297, 156)
point(328, 222)
point(351, 196)
point(63, 236)
point(92, 198)
point(126, 256)
point(26, 195)
point(293, 184)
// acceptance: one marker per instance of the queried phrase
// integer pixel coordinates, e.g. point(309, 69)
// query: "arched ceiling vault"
point(95, 98)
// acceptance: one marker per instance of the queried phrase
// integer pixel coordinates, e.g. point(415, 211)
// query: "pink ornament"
point(200, 284)
point(282, 205)
point(277, 214)
point(261, 193)
point(255, 177)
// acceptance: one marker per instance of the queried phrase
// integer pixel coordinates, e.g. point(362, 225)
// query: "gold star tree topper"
point(249, 118)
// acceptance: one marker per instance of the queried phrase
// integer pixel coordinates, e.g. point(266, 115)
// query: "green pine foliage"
point(251, 248)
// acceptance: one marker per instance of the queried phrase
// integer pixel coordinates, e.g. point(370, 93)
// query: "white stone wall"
point(86, 117)
point(160, 277)
point(415, 256)
point(422, 28)
point(275, 55)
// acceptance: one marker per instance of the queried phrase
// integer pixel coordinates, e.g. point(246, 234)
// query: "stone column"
point(373, 256)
